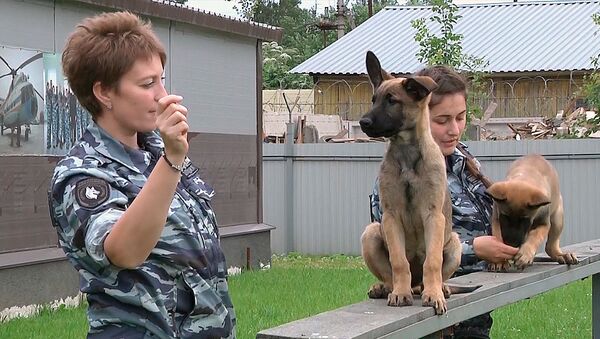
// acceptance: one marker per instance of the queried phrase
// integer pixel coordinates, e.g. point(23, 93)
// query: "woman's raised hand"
point(173, 127)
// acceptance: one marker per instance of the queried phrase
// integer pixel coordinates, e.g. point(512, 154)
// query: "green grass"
point(300, 286)
point(296, 287)
point(62, 323)
point(565, 312)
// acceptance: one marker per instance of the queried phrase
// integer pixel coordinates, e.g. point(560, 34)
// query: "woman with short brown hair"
point(131, 212)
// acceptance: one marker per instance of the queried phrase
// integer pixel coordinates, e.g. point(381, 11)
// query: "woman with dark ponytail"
point(471, 207)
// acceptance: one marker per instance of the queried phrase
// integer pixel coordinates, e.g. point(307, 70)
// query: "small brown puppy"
point(528, 208)
point(415, 244)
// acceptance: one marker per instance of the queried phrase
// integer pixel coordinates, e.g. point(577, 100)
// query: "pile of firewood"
point(572, 124)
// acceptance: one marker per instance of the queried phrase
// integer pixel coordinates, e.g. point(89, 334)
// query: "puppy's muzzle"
point(378, 127)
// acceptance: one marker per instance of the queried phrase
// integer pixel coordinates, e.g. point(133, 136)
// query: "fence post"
point(288, 155)
point(596, 306)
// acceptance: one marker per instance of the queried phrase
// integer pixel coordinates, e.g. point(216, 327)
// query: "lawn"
point(299, 286)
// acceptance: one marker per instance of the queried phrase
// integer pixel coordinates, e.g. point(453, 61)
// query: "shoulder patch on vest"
point(91, 192)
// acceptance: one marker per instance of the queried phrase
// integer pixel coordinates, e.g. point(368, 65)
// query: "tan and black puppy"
point(528, 208)
point(414, 246)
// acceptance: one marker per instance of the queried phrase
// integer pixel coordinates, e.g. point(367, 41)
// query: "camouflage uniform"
point(181, 290)
point(471, 215)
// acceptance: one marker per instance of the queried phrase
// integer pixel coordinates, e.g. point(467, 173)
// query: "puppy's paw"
point(436, 300)
point(499, 267)
point(378, 291)
point(567, 258)
point(447, 291)
point(524, 258)
point(397, 298)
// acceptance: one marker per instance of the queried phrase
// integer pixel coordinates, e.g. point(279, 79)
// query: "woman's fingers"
point(166, 101)
point(175, 118)
point(173, 126)
point(178, 131)
point(169, 111)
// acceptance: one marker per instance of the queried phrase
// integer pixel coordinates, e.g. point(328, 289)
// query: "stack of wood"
point(547, 128)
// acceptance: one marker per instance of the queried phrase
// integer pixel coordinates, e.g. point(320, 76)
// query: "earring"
point(109, 106)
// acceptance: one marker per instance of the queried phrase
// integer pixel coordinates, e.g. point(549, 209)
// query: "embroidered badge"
point(91, 192)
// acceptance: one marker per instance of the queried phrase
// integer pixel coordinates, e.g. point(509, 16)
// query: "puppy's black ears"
point(376, 74)
point(418, 87)
point(497, 192)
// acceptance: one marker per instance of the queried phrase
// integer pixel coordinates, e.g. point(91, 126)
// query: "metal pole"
point(596, 306)
point(289, 187)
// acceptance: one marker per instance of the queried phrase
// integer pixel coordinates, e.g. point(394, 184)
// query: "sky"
point(226, 7)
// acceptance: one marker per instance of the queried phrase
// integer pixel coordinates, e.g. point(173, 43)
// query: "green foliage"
point(440, 50)
point(446, 49)
point(591, 89)
point(591, 92)
point(301, 39)
point(277, 61)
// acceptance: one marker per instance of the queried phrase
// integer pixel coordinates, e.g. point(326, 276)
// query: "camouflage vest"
point(471, 208)
point(181, 289)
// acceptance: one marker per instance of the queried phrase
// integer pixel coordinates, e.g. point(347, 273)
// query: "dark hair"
point(451, 82)
point(448, 80)
point(103, 48)
point(471, 166)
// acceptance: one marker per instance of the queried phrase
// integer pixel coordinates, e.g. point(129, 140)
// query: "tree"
point(301, 39)
point(277, 61)
point(300, 31)
point(446, 49)
point(440, 50)
point(591, 93)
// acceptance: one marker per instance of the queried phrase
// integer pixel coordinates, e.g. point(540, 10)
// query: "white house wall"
point(220, 67)
point(27, 24)
point(220, 99)
point(68, 16)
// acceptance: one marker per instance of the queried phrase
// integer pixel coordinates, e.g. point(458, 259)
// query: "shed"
point(537, 54)
point(214, 62)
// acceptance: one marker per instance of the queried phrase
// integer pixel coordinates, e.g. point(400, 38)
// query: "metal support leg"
point(596, 306)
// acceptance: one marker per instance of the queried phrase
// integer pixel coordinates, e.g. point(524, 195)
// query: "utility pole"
point(370, 6)
point(342, 15)
point(340, 18)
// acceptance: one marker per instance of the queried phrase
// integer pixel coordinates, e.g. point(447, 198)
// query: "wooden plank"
point(374, 319)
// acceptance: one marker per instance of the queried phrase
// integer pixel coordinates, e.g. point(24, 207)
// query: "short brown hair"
point(448, 80)
point(103, 48)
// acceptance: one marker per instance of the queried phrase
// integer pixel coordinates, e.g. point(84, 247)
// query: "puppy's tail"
point(453, 289)
point(456, 289)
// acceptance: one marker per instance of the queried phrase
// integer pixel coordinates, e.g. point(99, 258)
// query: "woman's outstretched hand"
point(492, 250)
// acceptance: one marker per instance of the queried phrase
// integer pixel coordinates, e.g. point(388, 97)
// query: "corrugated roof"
point(169, 10)
point(512, 37)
